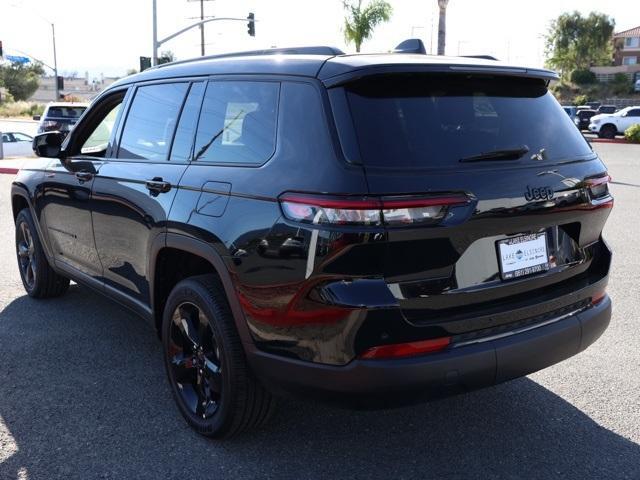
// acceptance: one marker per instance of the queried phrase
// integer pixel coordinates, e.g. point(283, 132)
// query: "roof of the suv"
point(331, 69)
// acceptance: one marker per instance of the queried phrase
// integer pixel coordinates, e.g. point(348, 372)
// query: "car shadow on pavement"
point(83, 395)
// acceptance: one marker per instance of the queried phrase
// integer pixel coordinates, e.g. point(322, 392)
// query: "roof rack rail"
point(313, 50)
point(483, 57)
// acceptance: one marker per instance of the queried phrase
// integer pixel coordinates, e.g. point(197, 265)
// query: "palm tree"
point(442, 25)
point(360, 22)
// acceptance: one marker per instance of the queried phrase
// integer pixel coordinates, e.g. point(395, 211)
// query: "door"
point(133, 192)
point(631, 118)
point(66, 192)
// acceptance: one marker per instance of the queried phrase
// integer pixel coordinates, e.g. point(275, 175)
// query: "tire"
point(608, 131)
point(210, 380)
point(38, 278)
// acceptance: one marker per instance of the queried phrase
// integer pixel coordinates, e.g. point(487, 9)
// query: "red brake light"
point(410, 349)
point(368, 211)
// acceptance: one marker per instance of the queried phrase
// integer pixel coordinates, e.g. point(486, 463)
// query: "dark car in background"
point(424, 225)
point(583, 118)
point(607, 109)
point(60, 116)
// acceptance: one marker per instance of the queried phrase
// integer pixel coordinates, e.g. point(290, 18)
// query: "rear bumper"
point(458, 369)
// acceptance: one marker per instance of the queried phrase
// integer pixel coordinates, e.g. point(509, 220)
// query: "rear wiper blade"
point(506, 154)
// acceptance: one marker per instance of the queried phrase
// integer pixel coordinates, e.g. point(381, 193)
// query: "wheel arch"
point(198, 248)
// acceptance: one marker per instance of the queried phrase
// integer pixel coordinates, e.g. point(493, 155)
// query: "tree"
point(166, 56)
point(360, 22)
point(21, 80)
point(576, 42)
point(442, 25)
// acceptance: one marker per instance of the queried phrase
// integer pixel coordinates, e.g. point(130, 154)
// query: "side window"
point(151, 121)
point(634, 113)
point(183, 140)
point(98, 141)
point(238, 122)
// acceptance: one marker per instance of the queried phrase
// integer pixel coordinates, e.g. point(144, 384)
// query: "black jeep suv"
point(355, 227)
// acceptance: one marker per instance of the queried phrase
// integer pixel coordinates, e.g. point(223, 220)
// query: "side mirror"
point(37, 117)
point(48, 144)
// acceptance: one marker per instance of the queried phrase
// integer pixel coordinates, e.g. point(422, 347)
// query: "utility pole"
point(55, 62)
point(154, 52)
point(202, 28)
point(157, 43)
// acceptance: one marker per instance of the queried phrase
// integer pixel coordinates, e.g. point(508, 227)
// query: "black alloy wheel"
point(26, 255)
point(194, 358)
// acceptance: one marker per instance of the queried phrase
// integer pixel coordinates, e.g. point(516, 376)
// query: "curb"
point(608, 140)
point(10, 171)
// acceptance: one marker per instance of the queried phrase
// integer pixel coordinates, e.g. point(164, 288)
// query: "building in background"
point(627, 47)
point(80, 88)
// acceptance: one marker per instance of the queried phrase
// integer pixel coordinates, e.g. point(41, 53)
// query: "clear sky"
point(108, 36)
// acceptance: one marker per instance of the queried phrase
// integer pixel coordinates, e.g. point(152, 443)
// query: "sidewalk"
point(12, 165)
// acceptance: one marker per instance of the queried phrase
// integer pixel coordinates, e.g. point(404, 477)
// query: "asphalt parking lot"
point(83, 395)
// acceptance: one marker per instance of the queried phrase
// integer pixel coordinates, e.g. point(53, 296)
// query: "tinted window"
point(183, 140)
point(634, 113)
point(65, 112)
point(435, 120)
point(151, 121)
point(238, 122)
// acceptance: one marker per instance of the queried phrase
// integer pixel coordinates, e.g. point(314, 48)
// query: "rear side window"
point(151, 121)
point(426, 121)
point(237, 123)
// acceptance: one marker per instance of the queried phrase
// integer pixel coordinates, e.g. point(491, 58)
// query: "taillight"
point(368, 211)
point(598, 297)
point(410, 349)
point(598, 187)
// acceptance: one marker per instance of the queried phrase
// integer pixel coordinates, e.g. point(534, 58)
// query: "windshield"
point(424, 121)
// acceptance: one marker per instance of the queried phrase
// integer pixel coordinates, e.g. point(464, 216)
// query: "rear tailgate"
point(476, 269)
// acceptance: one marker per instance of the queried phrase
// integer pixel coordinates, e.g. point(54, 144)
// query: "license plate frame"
point(523, 255)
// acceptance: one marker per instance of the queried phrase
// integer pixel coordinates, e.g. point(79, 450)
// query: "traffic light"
point(251, 26)
point(0, 48)
point(60, 80)
point(145, 62)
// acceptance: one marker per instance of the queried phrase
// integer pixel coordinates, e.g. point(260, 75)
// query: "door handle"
point(156, 185)
point(84, 176)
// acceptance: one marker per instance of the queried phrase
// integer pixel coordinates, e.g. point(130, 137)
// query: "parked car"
point(607, 109)
point(16, 144)
point(583, 118)
point(414, 230)
point(60, 116)
point(571, 110)
point(594, 105)
point(610, 125)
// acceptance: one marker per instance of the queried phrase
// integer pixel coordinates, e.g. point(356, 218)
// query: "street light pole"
point(55, 63)
point(154, 54)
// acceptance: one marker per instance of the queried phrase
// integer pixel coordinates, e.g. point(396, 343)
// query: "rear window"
point(66, 112)
point(425, 121)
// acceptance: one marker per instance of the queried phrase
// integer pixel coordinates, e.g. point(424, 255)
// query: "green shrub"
point(583, 77)
point(20, 109)
point(632, 134)
point(580, 99)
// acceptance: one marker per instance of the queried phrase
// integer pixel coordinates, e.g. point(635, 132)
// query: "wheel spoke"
point(184, 368)
point(186, 325)
point(23, 249)
point(213, 375)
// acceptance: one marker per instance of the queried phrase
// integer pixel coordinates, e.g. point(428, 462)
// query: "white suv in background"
point(608, 125)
